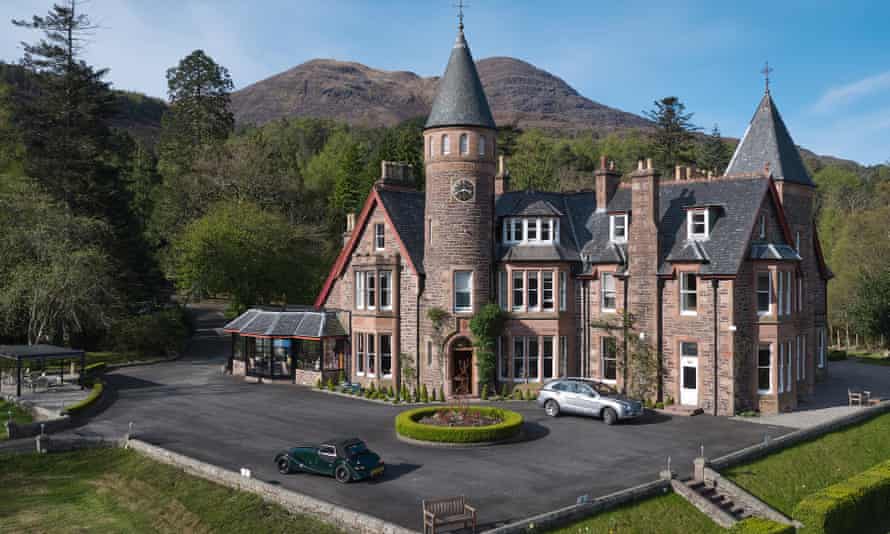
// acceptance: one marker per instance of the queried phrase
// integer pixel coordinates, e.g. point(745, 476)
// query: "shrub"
point(484, 392)
point(424, 394)
point(434, 399)
point(95, 369)
point(441, 394)
point(95, 394)
point(162, 333)
point(331, 386)
point(659, 405)
point(759, 525)
point(505, 391)
point(407, 425)
point(342, 378)
point(858, 504)
point(837, 355)
point(390, 392)
point(318, 383)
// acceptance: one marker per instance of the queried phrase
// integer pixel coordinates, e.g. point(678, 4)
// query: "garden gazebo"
point(295, 344)
point(40, 354)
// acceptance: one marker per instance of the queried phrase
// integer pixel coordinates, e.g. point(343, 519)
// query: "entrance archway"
point(461, 362)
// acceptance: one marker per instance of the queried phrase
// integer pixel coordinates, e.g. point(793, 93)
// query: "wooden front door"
point(462, 368)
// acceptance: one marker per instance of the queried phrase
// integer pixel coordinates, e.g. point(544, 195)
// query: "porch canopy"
point(278, 342)
point(41, 354)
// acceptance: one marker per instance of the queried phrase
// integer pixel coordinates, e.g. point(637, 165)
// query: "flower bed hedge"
point(759, 525)
point(858, 504)
point(407, 425)
point(95, 395)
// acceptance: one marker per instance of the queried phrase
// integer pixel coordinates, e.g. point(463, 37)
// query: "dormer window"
point(530, 230)
point(697, 224)
point(618, 228)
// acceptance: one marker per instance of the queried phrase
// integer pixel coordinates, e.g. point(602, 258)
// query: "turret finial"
point(767, 70)
point(460, 5)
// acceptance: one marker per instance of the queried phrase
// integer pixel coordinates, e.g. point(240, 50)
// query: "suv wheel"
point(609, 416)
point(551, 408)
point(342, 474)
point(284, 466)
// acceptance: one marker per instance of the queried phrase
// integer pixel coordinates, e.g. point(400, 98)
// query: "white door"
point(689, 381)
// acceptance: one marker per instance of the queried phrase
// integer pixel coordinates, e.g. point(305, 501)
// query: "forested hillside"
point(110, 200)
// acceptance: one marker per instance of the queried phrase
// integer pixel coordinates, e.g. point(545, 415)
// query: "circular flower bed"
point(474, 424)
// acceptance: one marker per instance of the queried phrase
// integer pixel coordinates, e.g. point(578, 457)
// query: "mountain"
point(519, 94)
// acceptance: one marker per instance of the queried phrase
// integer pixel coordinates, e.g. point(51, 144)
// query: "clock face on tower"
point(463, 190)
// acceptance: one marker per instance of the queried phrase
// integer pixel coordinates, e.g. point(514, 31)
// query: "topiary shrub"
point(95, 393)
point(858, 504)
point(505, 391)
point(759, 525)
point(484, 393)
point(837, 355)
point(407, 425)
point(659, 405)
point(434, 397)
point(424, 394)
point(517, 394)
point(441, 394)
point(95, 369)
point(331, 386)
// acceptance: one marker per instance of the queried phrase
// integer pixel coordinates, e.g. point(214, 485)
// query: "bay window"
point(359, 353)
point(359, 290)
point(530, 230)
point(764, 368)
point(607, 286)
point(463, 290)
point(546, 230)
point(688, 294)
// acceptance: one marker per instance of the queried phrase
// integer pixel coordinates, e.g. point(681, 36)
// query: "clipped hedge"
point(858, 504)
point(759, 525)
point(837, 355)
point(95, 369)
point(407, 425)
point(95, 395)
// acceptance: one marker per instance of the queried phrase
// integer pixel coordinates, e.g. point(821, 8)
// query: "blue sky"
point(831, 59)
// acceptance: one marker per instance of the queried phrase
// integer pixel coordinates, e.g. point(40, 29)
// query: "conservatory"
point(292, 344)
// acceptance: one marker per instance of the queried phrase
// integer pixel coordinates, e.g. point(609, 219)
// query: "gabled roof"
point(403, 210)
point(460, 99)
point(296, 322)
point(767, 142)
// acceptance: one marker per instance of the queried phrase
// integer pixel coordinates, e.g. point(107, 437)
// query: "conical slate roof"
point(460, 100)
point(767, 142)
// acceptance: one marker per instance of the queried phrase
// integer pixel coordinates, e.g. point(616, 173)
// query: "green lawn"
point(115, 490)
point(18, 415)
point(665, 514)
point(785, 478)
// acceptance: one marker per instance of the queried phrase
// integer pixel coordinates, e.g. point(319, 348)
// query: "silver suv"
point(583, 396)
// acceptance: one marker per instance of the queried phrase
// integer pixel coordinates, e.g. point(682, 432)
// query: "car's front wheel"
point(284, 466)
point(551, 408)
point(609, 416)
point(342, 474)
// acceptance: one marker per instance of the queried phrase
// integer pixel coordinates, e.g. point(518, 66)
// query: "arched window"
point(446, 145)
point(429, 144)
point(464, 144)
point(481, 145)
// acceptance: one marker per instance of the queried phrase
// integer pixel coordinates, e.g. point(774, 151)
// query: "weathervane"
point(460, 5)
point(766, 72)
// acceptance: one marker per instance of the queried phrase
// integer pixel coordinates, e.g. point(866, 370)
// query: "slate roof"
point(289, 322)
point(44, 352)
point(460, 100)
point(767, 141)
point(405, 209)
point(540, 204)
point(773, 251)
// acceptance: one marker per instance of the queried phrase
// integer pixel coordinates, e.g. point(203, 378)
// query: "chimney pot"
point(678, 173)
point(612, 165)
point(501, 165)
point(648, 163)
point(640, 165)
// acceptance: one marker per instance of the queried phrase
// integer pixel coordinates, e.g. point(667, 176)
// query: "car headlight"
point(359, 468)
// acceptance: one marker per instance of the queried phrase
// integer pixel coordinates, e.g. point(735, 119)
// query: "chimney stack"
point(397, 173)
point(644, 250)
point(607, 180)
point(502, 179)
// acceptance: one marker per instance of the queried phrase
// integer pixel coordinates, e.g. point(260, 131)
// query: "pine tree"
point(713, 154)
point(671, 141)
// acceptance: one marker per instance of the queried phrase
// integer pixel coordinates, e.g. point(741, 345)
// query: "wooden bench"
point(447, 512)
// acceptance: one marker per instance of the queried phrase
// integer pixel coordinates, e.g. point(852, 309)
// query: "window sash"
point(533, 351)
point(697, 224)
point(463, 290)
point(464, 144)
point(482, 145)
point(563, 290)
point(532, 290)
point(386, 355)
point(518, 357)
point(618, 228)
point(531, 229)
point(518, 290)
point(359, 290)
point(688, 294)
point(360, 354)
point(821, 347)
point(503, 360)
point(764, 369)
point(789, 285)
point(563, 355)
point(385, 290)
point(689, 349)
point(607, 286)
point(371, 291)
point(547, 290)
point(609, 358)
point(446, 145)
point(546, 230)
point(372, 356)
point(502, 289)
point(547, 370)
point(379, 240)
point(764, 292)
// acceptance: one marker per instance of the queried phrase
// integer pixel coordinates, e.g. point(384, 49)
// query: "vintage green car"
point(344, 459)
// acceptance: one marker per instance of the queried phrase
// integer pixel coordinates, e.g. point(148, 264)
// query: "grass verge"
point(665, 514)
point(18, 415)
point(115, 490)
point(785, 478)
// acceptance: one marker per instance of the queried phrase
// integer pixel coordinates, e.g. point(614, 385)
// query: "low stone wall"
point(739, 495)
point(577, 512)
point(46, 443)
point(28, 430)
point(760, 450)
point(348, 520)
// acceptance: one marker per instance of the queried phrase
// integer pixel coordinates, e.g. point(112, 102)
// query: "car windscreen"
point(603, 389)
point(356, 449)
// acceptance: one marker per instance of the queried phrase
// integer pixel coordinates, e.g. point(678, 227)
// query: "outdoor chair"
point(447, 512)
point(854, 397)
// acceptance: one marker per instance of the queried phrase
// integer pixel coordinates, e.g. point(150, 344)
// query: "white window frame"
point(789, 285)
point(464, 144)
point(359, 290)
point(563, 356)
point(545, 225)
point(446, 145)
point(371, 290)
point(379, 236)
point(603, 360)
point(781, 293)
point(536, 342)
point(360, 354)
point(547, 304)
point(563, 290)
point(758, 292)
point(469, 291)
point(502, 359)
point(481, 145)
point(690, 224)
point(371, 355)
point(522, 358)
point(604, 291)
point(544, 344)
point(382, 354)
point(520, 277)
point(529, 224)
point(503, 290)
point(684, 290)
point(782, 367)
point(536, 277)
point(387, 277)
point(613, 219)
point(769, 365)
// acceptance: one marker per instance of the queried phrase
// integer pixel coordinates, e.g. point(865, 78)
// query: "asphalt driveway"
point(190, 407)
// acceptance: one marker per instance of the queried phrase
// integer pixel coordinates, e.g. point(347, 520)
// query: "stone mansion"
point(723, 276)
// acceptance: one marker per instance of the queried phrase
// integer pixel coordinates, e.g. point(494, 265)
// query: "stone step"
point(682, 411)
